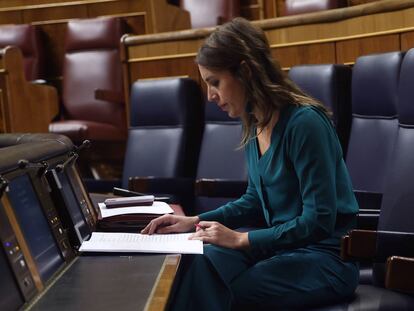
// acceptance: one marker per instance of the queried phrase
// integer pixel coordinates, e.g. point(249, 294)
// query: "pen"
point(199, 227)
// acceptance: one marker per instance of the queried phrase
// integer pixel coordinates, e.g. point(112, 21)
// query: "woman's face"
point(225, 90)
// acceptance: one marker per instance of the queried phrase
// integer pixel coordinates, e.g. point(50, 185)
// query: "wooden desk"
point(111, 282)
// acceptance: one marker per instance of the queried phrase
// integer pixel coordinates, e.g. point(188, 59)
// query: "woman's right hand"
point(171, 223)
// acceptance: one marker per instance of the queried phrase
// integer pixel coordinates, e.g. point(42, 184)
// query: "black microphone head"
point(87, 143)
point(22, 163)
point(59, 168)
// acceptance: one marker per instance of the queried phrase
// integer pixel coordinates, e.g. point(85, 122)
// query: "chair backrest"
point(28, 39)
point(293, 7)
point(331, 85)
point(374, 119)
point(398, 196)
point(165, 129)
point(92, 62)
point(220, 157)
point(210, 13)
point(398, 199)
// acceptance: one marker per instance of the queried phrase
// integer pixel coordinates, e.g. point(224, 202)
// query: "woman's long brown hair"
point(243, 49)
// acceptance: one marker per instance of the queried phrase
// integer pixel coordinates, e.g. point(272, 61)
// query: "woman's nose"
point(211, 96)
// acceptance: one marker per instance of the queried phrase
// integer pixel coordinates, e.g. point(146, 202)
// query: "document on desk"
point(142, 243)
point(157, 207)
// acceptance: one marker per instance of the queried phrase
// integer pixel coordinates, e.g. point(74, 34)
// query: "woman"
point(298, 184)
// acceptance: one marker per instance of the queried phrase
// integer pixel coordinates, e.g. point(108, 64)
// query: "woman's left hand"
point(215, 233)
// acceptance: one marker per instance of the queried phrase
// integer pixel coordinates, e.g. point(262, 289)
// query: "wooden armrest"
point(109, 96)
point(399, 275)
point(359, 244)
point(378, 245)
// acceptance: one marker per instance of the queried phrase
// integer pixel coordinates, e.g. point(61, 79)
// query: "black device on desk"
point(73, 205)
point(37, 275)
point(33, 240)
point(10, 295)
point(129, 193)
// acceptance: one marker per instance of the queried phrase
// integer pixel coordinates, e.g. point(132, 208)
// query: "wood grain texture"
point(26, 107)
point(161, 291)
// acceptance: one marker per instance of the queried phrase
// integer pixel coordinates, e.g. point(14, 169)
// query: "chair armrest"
point(367, 220)
point(359, 244)
point(163, 185)
point(101, 185)
point(368, 200)
point(220, 188)
point(109, 96)
point(378, 245)
point(399, 275)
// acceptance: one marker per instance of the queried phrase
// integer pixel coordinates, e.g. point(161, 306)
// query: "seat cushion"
point(79, 130)
point(372, 298)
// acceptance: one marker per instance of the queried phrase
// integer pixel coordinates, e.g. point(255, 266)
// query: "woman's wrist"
point(243, 240)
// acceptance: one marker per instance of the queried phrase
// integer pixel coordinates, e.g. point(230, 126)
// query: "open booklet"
point(157, 208)
point(142, 243)
point(131, 218)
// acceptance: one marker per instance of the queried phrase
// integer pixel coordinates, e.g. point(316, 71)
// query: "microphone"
point(85, 145)
point(3, 185)
point(41, 166)
point(73, 155)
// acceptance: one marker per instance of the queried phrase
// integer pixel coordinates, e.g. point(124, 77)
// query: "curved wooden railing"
point(335, 36)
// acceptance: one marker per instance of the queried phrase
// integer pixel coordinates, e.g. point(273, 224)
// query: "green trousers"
point(225, 279)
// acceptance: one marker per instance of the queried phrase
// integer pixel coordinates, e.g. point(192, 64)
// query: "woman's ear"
point(244, 68)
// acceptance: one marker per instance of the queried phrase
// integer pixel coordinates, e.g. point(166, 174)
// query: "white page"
point(134, 242)
point(157, 207)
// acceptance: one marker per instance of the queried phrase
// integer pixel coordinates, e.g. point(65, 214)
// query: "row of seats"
point(174, 139)
point(93, 105)
point(392, 123)
point(368, 103)
point(216, 12)
point(364, 112)
point(166, 125)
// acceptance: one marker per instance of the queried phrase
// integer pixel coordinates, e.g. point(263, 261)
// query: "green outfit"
point(301, 188)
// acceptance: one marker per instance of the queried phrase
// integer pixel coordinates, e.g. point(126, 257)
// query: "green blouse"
point(300, 186)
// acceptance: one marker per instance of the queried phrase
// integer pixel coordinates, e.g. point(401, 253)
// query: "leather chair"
point(166, 125)
point(28, 39)
point(222, 171)
point(210, 13)
point(331, 85)
point(93, 101)
point(391, 247)
point(374, 125)
point(293, 7)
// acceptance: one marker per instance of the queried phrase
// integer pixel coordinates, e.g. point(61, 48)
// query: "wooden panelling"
point(347, 51)
point(184, 66)
point(407, 41)
point(358, 2)
point(338, 36)
point(26, 107)
point(55, 13)
point(305, 54)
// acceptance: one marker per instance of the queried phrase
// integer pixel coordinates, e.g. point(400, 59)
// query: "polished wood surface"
point(336, 36)
point(161, 291)
point(25, 107)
